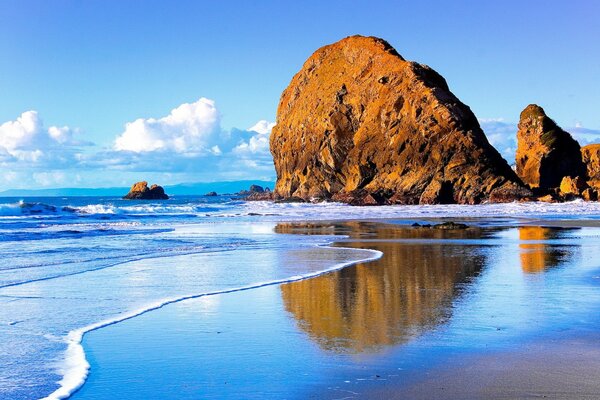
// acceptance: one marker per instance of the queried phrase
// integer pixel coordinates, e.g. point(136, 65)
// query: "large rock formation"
point(140, 191)
point(545, 153)
point(360, 124)
point(591, 159)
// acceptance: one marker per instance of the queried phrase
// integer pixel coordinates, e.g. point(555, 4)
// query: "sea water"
point(73, 265)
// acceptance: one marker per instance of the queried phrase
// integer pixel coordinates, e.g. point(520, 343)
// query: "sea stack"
point(360, 124)
point(545, 153)
point(140, 191)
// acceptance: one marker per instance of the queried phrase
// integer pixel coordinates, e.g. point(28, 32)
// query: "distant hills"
point(196, 188)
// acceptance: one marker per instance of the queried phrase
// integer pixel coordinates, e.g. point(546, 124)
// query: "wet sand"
point(566, 368)
point(489, 312)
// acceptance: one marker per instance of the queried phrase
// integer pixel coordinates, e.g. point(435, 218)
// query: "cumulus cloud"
point(263, 127)
point(187, 144)
point(26, 140)
point(190, 128)
point(259, 143)
point(190, 140)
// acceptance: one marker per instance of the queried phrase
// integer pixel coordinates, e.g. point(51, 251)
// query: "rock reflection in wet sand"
point(536, 256)
point(369, 306)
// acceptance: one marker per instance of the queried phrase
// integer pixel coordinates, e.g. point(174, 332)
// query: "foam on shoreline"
point(75, 367)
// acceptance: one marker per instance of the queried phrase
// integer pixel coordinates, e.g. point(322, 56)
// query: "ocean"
point(72, 266)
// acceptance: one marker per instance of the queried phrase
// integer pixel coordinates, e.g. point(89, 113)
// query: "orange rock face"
point(545, 153)
point(361, 124)
point(591, 158)
point(574, 186)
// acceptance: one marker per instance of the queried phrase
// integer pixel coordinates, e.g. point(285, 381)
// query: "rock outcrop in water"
point(141, 191)
point(362, 125)
point(546, 153)
point(257, 193)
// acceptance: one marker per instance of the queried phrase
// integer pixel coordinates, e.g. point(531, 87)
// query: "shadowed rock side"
point(362, 125)
point(140, 191)
point(546, 153)
point(389, 301)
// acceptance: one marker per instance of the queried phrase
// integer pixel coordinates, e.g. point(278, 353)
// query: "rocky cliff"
point(545, 153)
point(140, 191)
point(360, 124)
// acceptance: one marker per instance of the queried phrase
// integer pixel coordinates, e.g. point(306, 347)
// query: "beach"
point(487, 312)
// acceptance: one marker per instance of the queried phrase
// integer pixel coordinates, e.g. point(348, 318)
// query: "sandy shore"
point(555, 369)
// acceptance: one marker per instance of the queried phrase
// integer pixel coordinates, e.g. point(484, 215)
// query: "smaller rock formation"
point(140, 191)
point(549, 198)
point(591, 159)
point(253, 189)
point(211, 194)
point(589, 194)
point(574, 186)
point(257, 193)
point(545, 152)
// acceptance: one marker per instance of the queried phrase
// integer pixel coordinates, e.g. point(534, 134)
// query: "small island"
point(141, 191)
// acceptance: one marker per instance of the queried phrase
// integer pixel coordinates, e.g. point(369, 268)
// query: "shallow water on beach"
point(432, 296)
point(77, 265)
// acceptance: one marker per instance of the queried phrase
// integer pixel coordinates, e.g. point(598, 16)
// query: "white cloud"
point(259, 143)
point(187, 145)
point(189, 128)
point(263, 126)
point(190, 140)
point(27, 140)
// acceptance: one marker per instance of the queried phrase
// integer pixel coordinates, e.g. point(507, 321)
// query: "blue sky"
point(102, 93)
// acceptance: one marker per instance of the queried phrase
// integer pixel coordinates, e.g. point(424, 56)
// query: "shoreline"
point(77, 366)
point(78, 371)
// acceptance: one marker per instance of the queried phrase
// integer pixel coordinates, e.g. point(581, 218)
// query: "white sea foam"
point(96, 209)
point(311, 211)
point(337, 211)
point(75, 367)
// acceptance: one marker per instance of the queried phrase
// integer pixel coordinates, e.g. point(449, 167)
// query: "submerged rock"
point(140, 191)
point(360, 124)
point(450, 226)
point(545, 152)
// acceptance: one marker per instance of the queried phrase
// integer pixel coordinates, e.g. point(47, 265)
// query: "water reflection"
point(389, 301)
point(537, 255)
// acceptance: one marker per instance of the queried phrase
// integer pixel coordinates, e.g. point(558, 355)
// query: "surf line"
point(75, 368)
